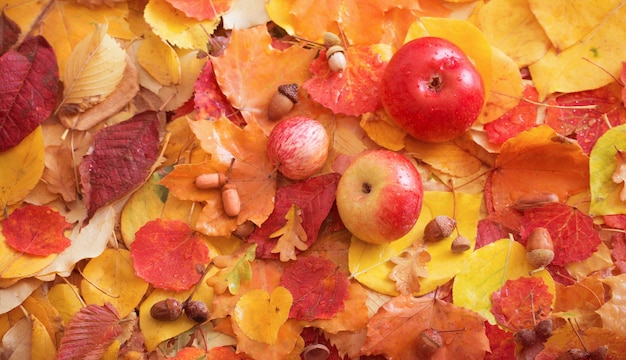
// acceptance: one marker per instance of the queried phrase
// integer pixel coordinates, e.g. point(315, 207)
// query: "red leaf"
point(520, 118)
point(572, 231)
point(122, 157)
point(587, 124)
point(9, 33)
point(28, 90)
point(501, 343)
point(318, 288)
point(314, 197)
point(353, 91)
point(210, 101)
point(36, 230)
point(169, 255)
point(519, 302)
point(202, 9)
point(89, 333)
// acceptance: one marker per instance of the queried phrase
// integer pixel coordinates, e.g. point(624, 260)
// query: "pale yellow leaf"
point(506, 87)
point(15, 294)
point(176, 95)
point(160, 60)
point(567, 22)
point(380, 129)
point(174, 27)
point(17, 265)
point(18, 340)
point(111, 278)
point(510, 26)
point(446, 157)
point(94, 69)
point(613, 312)
point(66, 299)
point(244, 14)
point(291, 236)
point(42, 346)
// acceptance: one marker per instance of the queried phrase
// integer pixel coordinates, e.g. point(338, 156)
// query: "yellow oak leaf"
point(260, 314)
point(21, 167)
point(509, 23)
point(614, 310)
point(487, 269)
point(291, 236)
point(410, 268)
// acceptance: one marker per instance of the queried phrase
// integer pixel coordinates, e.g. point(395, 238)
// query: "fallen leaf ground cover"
point(110, 109)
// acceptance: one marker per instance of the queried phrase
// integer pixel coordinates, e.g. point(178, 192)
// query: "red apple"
point(431, 89)
point(298, 146)
point(379, 196)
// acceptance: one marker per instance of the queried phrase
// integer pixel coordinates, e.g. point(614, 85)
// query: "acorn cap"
point(331, 39)
point(290, 91)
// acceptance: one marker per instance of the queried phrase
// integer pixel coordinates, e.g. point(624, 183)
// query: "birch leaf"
point(160, 60)
point(94, 69)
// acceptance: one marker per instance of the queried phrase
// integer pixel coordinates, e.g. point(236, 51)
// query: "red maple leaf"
point(572, 231)
point(28, 90)
point(353, 91)
point(587, 124)
point(169, 255)
point(520, 118)
point(122, 157)
point(36, 230)
point(314, 197)
point(501, 343)
point(210, 101)
point(521, 303)
point(89, 333)
point(318, 287)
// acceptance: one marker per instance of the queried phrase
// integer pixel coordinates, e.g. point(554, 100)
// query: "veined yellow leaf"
point(260, 314)
point(605, 193)
point(42, 347)
point(159, 60)
point(506, 87)
point(94, 68)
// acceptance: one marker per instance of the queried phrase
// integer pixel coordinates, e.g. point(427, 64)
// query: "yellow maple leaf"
point(291, 236)
point(410, 268)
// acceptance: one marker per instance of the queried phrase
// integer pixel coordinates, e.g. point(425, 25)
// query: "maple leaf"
point(291, 236)
point(319, 289)
point(89, 333)
point(395, 329)
point(619, 176)
point(409, 267)
point(314, 197)
point(501, 343)
point(210, 102)
point(572, 231)
point(28, 93)
point(122, 157)
point(567, 337)
point(167, 254)
point(521, 303)
point(234, 269)
point(36, 230)
point(354, 91)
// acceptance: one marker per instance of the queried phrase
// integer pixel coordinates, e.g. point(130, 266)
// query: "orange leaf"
point(521, 302)
point(36, 230)
point(202, 9)
point(395, 329)
point(168, 254)
point(537, 160)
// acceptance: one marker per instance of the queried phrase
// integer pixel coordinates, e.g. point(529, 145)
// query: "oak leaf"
point(409, 267)
point(395, 329)
point(169, 255)
point(319, 289)
point(291, 236)
point(36, 230)
point(521, 303)
point(234, 270)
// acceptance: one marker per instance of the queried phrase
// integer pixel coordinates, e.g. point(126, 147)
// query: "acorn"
point(539, 248)
point(544, 329)
point(460, 244)
point(168, 309)
point(197, 311)
point(439, 228)
point(210, 181)
point(428, 343)
point(231, 200)
point(525, 337)
point(335, 55)
point(331, 39)
point(600, 353)
point(574, 354)
point(315, 352)
point(283, 101)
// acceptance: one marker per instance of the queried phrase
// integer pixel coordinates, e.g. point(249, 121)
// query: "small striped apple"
point(379, 196)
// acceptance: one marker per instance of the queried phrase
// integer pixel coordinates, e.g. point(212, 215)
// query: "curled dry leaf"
point(409, 267)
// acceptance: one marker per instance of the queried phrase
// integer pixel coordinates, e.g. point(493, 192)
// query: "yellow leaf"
point(598, 261)
point(159, 60)
point(260, 314)
point(174, 27)
point(446, 157)
point(176, 95)
point(371, 264)
point(605, 192)
point(464, 35)
point(510, 26)
point(65, 298)
point(291, 236)
point(506, 87)
point(94, 69)
point(567, 22)
point(613, 311)
point(111, 278)
point(21, 167)
point(586, 64)
point(42, 347)
point(14, 295)
point(18, 265)
point(487, 269)
point(379, 128)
